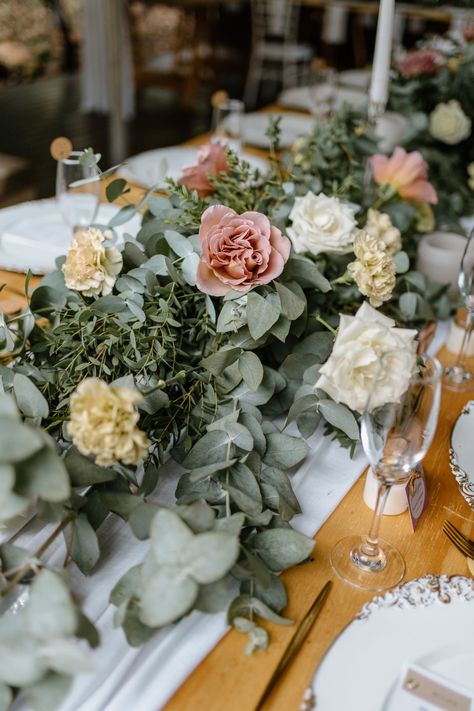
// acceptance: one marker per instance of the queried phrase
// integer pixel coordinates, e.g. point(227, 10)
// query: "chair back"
point(275, 19)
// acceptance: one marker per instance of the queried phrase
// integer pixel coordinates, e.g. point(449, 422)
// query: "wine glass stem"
point(463, 353)
point(370, 547)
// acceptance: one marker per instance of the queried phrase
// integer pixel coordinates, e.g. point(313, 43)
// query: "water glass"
point(322, 92)
point(77, 191)
point(227, 123)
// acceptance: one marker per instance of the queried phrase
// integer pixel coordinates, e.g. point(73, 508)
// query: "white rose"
point(321, 224)
point(449, 123)
point(90, 267)
point(348, 374)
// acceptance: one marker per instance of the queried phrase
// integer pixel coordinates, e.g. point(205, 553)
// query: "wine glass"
point(77, 191)
point(227, 123)
point(397, 430)
point(459, 376)
point(322, 92)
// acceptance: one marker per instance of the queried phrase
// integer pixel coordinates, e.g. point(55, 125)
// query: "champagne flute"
point(460, 376)
point(397, 430)
point(227, 123)
point(77, 191)
point(322, 92)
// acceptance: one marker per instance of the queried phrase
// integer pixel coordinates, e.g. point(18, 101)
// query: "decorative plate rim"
point(465, 485)
point(418, 592)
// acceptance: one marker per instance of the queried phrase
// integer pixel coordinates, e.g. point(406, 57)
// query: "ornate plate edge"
point(466, 486)
point(419, 592)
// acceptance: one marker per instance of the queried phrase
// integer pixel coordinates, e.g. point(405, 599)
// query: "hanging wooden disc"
point(60, 148)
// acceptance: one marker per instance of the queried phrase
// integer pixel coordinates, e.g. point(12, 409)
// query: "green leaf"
point(167, 596)
point(318, 344)
point(251, 369)
point(128, 586)
point(17, 441)
point(84, 472)
point(179, 244)
point(209, 449)
point(339, 416)
point(262, 313)
point(86, 630)
point(189, 267)
point(212, 598)
point(274, 595)
point(109, 304)
point(291, 305)
point(140, 520)
point(169, 537)
point(6, 697)
point(402, 262)
point(408, 303)
point(29, 399)
point(43, 476)
point(83, 543)
point(135, 631)
point(284, 451)
point(306, 274)
point(239, 436)
point(288, 503)
point(206, 471)
point(281, 548)
point(255, 429)
point(120, 502)
point(218, 361)
point(64, 656)
point(209, 556)
point(246, 605)
point(45, 298)
point(303, 404)
point(11, 504)
point(47, 693)
point(157, 265)
point(123, 215)
point(115, 189)
point(199, 516)
point(50, 611)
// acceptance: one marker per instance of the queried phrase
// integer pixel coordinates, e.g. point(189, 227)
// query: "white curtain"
point(107, 68)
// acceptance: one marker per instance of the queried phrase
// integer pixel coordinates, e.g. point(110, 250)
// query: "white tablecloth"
point(144, 678)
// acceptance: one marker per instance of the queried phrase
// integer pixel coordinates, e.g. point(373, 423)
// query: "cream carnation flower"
point(90, 267)
point(379, 225)
point(104, 422)
point(374, 269)
point(449, 123)
point(321, 224)
point(348, 374)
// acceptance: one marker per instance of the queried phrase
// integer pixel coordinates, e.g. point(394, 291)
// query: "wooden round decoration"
point(61, 148)
point(218, 98)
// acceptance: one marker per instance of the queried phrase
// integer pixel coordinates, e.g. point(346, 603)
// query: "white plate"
point(467, 223)
point(391, 129)
point(428, 621)
point(255, 126)
point(298, 98)
point(461, 452)
point(42, 235)
point(151, 167)
point(359, 78)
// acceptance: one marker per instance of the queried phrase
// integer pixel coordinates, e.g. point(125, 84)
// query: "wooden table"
point(226, 678)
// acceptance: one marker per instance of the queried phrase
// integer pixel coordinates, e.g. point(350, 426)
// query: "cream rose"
point(374, 269)
point(90, 267)
point(379, 225)
point(348, 374)
point(321, 224)
point(103, 422)
point(449, 123)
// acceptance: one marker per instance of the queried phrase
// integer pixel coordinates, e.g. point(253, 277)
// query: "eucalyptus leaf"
point(170, 537)
point(29, 399)
point(209, 449)
point(50, 611)
point(167, 596)
point(339, 416)
point(251, 369)
point(48, 693)
point(83, 544)
point(209, 556)
point(284, 451)
point(262, 313)
point(281, 548)
point(83, 471)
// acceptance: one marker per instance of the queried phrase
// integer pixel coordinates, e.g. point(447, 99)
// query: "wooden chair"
point(276, 53)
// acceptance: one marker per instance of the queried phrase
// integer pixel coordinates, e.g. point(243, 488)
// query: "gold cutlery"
point(296, 641)
point(464, 544)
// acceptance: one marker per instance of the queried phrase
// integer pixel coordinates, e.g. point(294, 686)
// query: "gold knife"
point(296, 641)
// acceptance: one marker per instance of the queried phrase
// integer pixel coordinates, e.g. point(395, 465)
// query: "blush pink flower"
point(238, 251)
point(424, 61)
point(407, 173)
point(468, 33)
point(211, 160)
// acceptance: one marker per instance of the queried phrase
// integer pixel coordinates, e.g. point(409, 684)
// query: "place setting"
point(237, 373)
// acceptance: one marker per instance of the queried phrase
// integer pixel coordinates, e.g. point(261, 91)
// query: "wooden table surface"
point(226, 678)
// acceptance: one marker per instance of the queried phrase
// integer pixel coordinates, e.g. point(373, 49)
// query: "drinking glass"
point(460, 376)
point(227, 123)
point(77, 191)
point(396, 432)
point(322, 92)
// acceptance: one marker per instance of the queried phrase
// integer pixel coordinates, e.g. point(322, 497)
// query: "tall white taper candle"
point(378, 93)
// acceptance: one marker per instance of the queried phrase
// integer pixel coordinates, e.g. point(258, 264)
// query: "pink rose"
point(238, 251)
point(211, 160)
point(468, 33)
point(424, 61)
point(407, 173)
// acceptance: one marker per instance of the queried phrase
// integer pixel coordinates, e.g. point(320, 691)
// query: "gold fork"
point(464, 544)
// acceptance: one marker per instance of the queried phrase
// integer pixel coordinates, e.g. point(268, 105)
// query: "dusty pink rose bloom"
point(211, 160)
point(407, 173)
point(238, 251)
point(424, 61)
point(468, 33)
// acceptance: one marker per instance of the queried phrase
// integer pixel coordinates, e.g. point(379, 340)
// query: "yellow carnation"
point(379, 225)
point(374, 269)
point(90, 267)
point(104, 422)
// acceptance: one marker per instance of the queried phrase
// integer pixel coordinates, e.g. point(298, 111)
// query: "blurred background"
point(58, 59)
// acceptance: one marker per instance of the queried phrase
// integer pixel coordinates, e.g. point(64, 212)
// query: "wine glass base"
point(458, 379)
point(386, 573)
